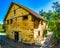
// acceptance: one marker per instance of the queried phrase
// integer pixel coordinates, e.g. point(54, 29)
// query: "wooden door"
point(16, 34)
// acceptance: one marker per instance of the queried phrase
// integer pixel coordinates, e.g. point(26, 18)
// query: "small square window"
point(7, 21)
point(11, 21)
point(25, 17)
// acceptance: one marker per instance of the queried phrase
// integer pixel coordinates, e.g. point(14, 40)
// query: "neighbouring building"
point(24, 25)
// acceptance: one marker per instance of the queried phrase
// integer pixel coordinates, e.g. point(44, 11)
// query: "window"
point(7, 21)
point(11, 21)
point(14, 11)
point(39, 33)
point(25, 17)
point(41, 22)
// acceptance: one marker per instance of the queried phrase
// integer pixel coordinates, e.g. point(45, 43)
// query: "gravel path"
point(6, 43)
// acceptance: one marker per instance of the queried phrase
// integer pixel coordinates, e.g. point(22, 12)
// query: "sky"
point(35, 5)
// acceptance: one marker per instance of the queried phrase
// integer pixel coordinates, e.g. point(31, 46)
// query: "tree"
point(51, 15)
point(56, 8)
point(43, 13)
point(53, 19)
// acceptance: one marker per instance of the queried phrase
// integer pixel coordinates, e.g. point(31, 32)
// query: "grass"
point(2, 31)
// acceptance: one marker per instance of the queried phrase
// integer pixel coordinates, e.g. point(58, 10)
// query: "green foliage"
point(53, 27)
point(45, 31)
point(43, 13)
point(56, 6)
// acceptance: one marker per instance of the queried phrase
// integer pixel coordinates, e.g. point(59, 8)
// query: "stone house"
point(24, 25)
